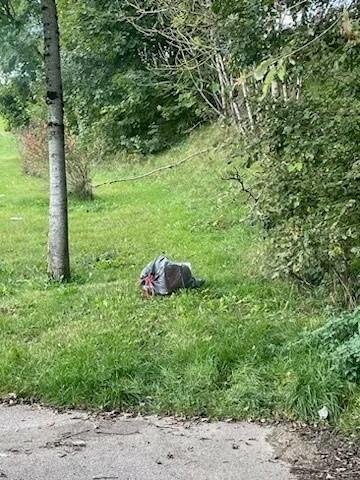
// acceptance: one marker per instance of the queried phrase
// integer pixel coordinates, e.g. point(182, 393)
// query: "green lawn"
point(226, 350)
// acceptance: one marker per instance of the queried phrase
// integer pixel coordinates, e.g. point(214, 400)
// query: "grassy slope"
point(221, 351)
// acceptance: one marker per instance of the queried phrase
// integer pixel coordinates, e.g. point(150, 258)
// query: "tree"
point(19, 64)
point(58, 253)
point(114, 94)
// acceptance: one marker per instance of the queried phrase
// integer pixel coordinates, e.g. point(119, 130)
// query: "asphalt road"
point(40, 444)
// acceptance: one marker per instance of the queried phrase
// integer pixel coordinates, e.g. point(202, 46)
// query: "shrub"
point(310, 189)
point(347, 357)
point(35, 160)
point(78, 170)
point(341, 336)
point(13, 106)
point(34, 150)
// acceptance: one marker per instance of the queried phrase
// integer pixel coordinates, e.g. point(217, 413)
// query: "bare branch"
point(156, 170)
point(200, 89)
point(142, 13)
point(237, 178)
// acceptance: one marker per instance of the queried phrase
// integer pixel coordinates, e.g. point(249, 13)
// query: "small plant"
point(35, 160)
point(347, 357)
point(78, 171)
point(34, 150)
point(341, 336)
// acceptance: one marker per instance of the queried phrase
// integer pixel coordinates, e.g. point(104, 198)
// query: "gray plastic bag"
point(162, 277)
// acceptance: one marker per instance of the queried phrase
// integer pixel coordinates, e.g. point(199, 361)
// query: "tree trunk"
point(274, 89)
point(222, 85)
point(247, 103)
point(58, 253)
point(284, 91)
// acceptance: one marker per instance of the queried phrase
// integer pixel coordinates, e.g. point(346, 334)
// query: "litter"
point(163, 277)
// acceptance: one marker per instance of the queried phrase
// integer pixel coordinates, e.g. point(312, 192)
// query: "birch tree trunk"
point(58, 252)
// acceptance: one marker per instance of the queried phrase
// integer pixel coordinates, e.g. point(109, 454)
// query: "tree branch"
point(237, 178)
point(156, 170)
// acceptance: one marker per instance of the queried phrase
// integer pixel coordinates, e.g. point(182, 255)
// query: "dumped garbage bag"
point(162, 277)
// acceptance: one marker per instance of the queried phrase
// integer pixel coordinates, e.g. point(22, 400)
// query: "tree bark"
point(58, 248)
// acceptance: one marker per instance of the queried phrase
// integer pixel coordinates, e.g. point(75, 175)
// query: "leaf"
point(295, 167)
point(214, 87)
point(197, 41)
point(261, 70)
point(346, 26)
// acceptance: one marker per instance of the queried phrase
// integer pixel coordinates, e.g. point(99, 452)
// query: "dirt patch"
point(317, 454)
point(290, 447)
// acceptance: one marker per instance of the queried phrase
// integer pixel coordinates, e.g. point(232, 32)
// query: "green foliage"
point(347, 357)
point(147, 116)
point(249, 26)
point(311, 382)
point(338, 329)
point(231, 349)
point(341, 336)
point(112, 86)
point(13, 106)
point(20, 60)
point(310, 186)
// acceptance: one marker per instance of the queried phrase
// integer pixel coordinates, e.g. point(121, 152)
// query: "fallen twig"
point(101, 432)
point(74, 434)
point(105, 478)
point(156, 170)
point(165, 427)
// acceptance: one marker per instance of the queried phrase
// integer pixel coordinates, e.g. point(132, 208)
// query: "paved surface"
point(39, 444)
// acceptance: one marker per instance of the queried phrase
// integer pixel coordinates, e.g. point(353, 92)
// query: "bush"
point(13, 106)
point(34, 150)
point(35, 160)
point(341, 336)
point(78, 171)
point(140, 115)
point(310, 189)
point(347, 356)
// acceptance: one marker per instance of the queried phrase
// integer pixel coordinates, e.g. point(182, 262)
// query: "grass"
point(225, 350)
